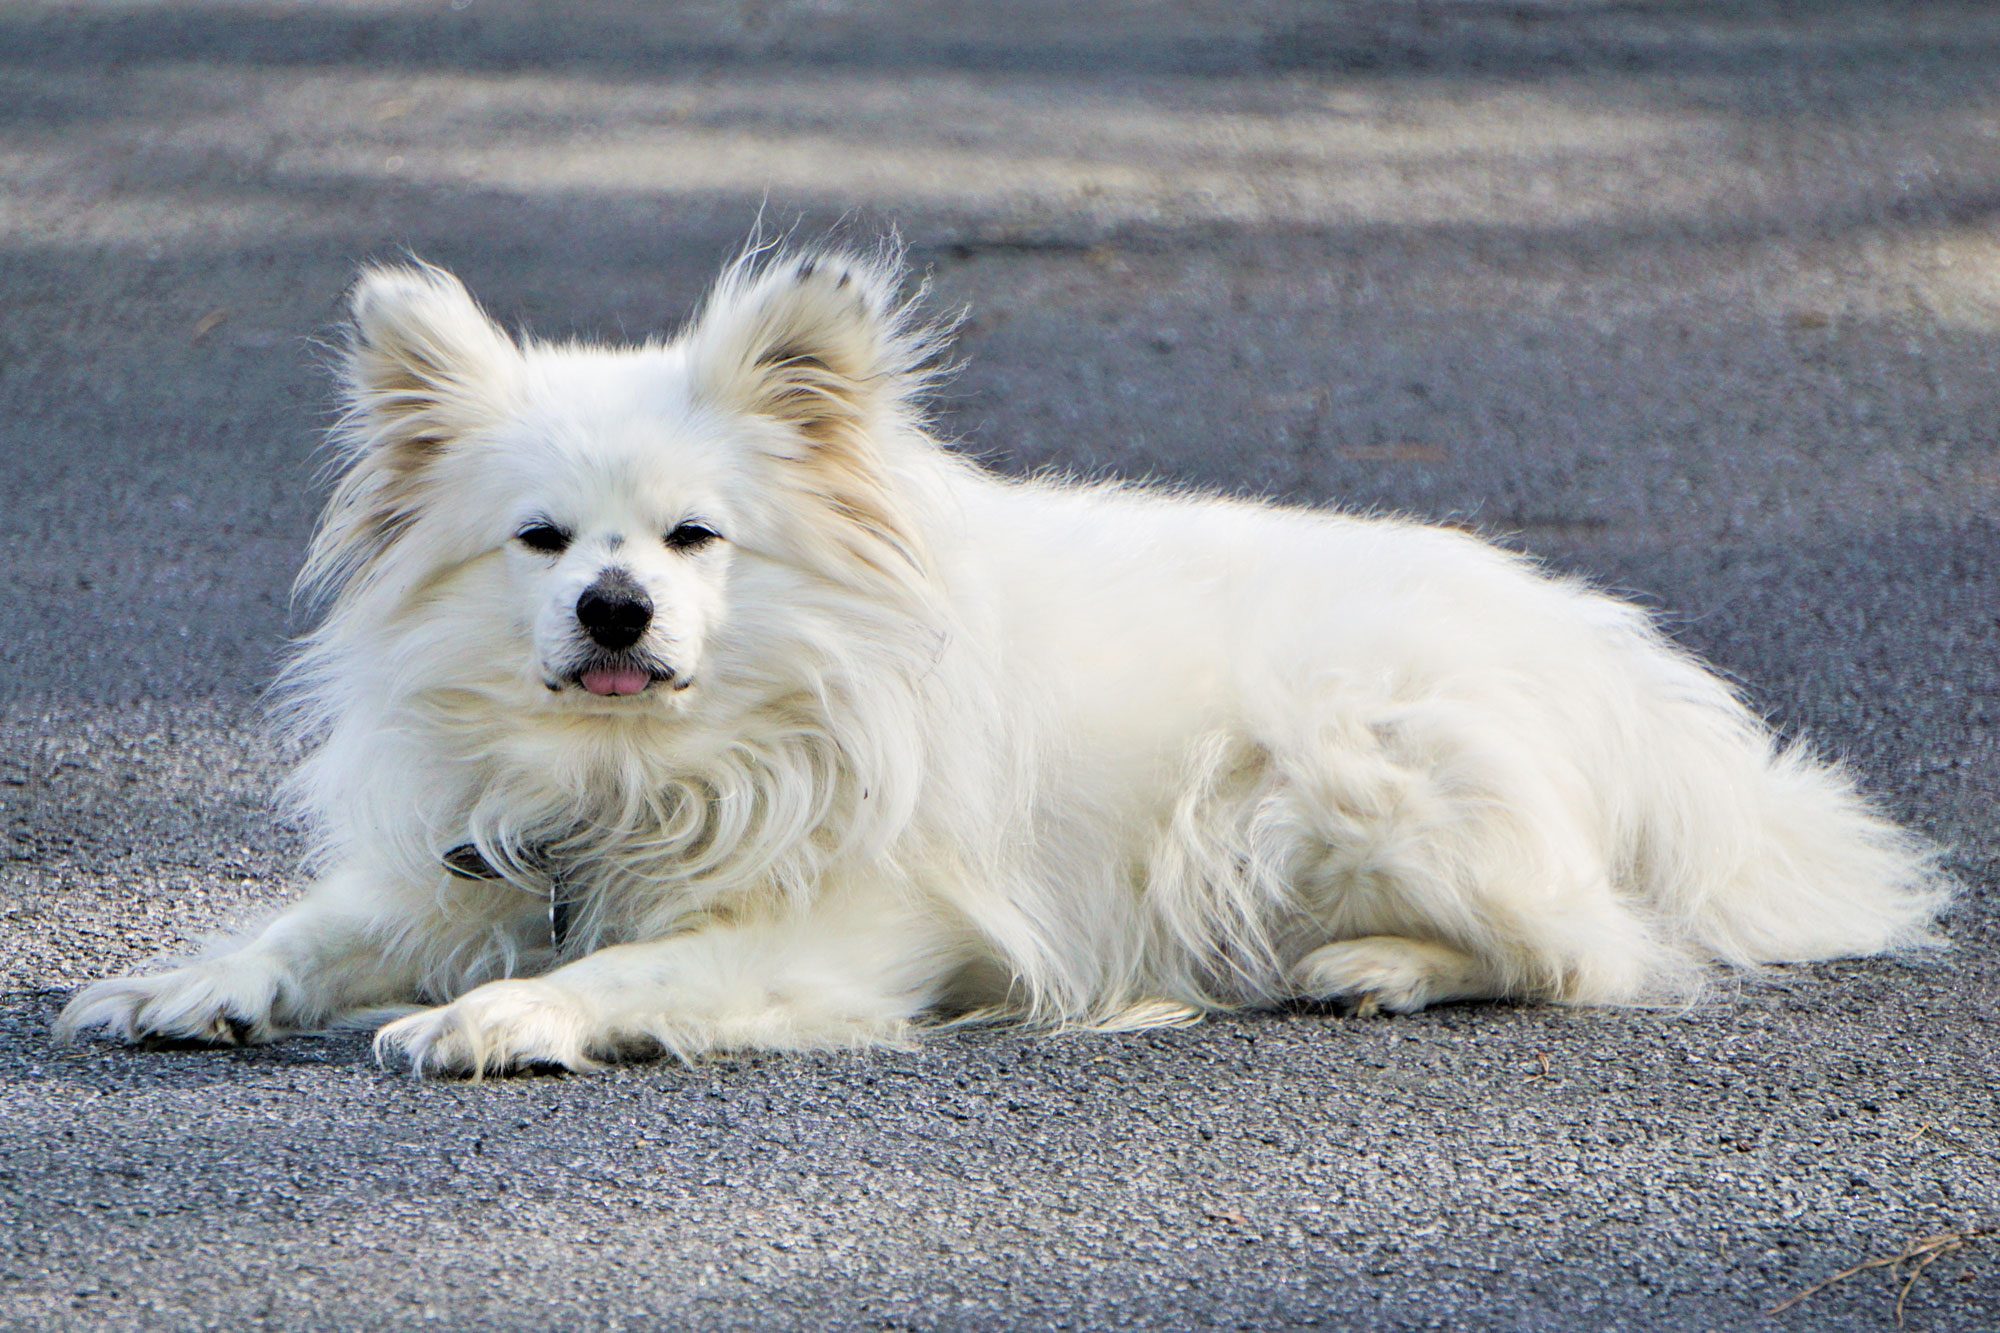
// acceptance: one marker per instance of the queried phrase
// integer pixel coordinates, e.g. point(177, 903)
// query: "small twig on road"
point(1917, 1271)
point(1919, 1254)
point(207, 323)
point(1929, 1130)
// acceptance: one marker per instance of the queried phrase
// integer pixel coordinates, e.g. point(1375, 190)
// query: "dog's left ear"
point(821, 345)
point(818, 342)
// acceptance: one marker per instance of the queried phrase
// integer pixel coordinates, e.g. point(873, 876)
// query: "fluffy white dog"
point(691, 696)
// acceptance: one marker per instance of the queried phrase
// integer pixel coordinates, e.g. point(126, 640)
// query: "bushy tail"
point(1766, 854)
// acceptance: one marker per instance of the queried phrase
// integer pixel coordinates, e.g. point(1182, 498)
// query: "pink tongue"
point(616, 680)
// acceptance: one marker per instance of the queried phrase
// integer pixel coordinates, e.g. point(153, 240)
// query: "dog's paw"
point(498, 1027)
point(217, 1003)
point(1385, 973)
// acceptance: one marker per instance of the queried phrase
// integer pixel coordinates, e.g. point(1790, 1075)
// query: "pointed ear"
point(424, 363)
point(821, 344)
point(424, 368)
point(817, 342)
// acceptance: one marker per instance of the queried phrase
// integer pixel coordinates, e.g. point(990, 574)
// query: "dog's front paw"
point(501, 1026)
point(217, 1003)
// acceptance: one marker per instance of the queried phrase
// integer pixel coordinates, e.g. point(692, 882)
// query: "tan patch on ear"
point(820, 344)
point(425, 368)
point(382, 492)
point(887, 543)
point(376, 501)
point(802, 390)
point(841, 475)
point(834, 392)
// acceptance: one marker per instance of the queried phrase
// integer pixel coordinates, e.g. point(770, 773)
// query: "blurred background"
point(1701, 300)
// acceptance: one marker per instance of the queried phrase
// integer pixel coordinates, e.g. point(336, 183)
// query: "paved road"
point(1702, 300)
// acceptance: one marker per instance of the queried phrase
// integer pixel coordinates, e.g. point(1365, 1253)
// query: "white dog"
point(691, 696)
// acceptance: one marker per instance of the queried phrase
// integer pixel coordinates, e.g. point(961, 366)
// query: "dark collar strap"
point(466, 862)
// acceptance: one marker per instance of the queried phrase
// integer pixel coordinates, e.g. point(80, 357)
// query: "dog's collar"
point(467, 862)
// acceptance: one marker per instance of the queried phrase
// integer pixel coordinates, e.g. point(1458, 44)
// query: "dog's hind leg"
point(1393, 974)
point(1436, 855)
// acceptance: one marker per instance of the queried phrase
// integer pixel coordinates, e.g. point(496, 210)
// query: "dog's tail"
point(1764, 853)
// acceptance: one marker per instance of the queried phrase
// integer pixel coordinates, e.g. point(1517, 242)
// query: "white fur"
point(956, 743)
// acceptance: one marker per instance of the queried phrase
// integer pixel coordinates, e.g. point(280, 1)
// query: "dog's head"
point(582, 523)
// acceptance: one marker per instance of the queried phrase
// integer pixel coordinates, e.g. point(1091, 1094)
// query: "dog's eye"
point(544, 537)
point(692, 536)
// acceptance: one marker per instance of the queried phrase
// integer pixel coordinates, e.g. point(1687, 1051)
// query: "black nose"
point(614, 611)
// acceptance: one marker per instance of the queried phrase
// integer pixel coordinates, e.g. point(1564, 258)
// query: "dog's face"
point(615, 523)
point(573, 523)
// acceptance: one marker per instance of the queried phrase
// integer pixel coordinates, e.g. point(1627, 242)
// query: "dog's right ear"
point(424, 370)
point(424, 364)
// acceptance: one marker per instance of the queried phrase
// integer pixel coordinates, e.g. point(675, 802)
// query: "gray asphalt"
point(1703, 301)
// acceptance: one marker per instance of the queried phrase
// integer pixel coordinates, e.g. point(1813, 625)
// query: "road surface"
point(1701, 301)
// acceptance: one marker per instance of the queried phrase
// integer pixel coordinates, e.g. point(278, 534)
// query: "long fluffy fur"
point(1064, 754)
